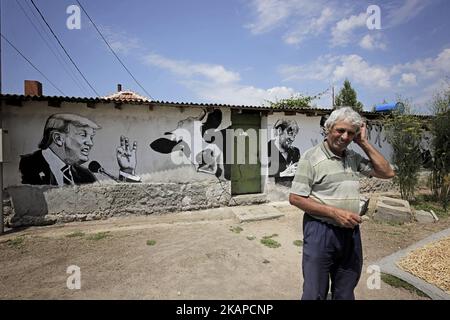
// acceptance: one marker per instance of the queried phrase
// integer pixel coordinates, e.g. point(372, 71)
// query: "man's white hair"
point(346, 114)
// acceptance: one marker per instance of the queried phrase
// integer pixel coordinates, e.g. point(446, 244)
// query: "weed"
point(269, 242)
point(236, 229)
point(251, 237)
point(298, 243)
point(75, 234)
point(99, 236)
point(16, 242)
point(268, 237)
point(151, 242)
point(427, 204)
point(399, 283)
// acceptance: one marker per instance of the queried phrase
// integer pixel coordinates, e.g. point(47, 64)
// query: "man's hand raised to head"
point(362, 136)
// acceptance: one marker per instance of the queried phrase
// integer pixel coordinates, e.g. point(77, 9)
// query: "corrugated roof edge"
point(315, 111)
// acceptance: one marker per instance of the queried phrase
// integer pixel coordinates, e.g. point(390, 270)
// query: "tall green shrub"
point(404, 133)
point(440, 179)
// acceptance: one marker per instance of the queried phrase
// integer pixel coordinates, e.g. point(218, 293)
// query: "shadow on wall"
point(29, 206)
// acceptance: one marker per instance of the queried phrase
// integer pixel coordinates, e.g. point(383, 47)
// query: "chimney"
point(33, 88)
point(119, 87)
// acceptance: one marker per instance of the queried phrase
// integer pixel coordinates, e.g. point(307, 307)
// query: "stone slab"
point(392, 210)
point(256, 212)
point(423, 216)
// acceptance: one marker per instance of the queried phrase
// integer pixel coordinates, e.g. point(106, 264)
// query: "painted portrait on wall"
point(64, 149)
point(283, 156)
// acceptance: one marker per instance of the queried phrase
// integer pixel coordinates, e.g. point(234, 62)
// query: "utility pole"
point(332, 96)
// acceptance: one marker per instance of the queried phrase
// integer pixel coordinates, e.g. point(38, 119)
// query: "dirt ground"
point(196, 256)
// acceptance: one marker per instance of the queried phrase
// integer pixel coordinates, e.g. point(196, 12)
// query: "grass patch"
point(75, 234)
point(236, 229)
point(298, 243)
point(427, 203)
point(151, 242)
point(99, 236)
point(269, 242)
point(399, 283)
point(16, 242)
point(251, 237)
point(268, 237)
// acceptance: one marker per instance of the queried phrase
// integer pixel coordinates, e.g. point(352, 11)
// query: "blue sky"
point(235, 51)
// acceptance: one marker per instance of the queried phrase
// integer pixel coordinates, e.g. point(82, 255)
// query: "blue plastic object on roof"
point(387, 107)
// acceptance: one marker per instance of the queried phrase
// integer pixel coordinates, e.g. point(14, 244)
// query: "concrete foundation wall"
point(96, 201)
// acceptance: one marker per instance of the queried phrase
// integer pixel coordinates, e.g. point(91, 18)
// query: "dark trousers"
point(330, 253)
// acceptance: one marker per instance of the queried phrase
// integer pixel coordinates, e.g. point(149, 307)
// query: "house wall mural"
point(145, 157)
point(163, 145)
point(118, 140)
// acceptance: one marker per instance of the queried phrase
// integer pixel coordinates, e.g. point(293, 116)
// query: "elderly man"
point(326, 188)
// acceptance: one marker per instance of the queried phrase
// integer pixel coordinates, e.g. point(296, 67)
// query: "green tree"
point(348, 97)
point(440, 178)
point(404, 134)
point(295, 101)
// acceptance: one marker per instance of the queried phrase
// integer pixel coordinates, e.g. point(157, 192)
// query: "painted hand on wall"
point(126, 158)
point(290, 170)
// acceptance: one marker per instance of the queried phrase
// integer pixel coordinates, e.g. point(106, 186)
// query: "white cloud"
point(427, 68)
point(270, 13)
point(407, 11)
point(215, 73)
point(314, 26)
point(239, 94)
point(120, 41)
point(318, 70)
point(337, 68)
point(216, 84)
point(418, 80)
point(342, 32)
point(301, 19)
point(371, 42)
point(408, 79)
point(355, 67)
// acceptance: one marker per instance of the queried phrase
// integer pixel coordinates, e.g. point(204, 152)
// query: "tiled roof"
point(120, 98)
point(126, 95)
point(137, 99)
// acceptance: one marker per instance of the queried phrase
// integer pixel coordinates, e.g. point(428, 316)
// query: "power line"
point(64, 49)
point(113, 52)
point(18, 51)
point(43, 27)
point(59, 58)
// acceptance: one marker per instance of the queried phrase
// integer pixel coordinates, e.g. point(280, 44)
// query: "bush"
point(440, 178)
point(404, 132)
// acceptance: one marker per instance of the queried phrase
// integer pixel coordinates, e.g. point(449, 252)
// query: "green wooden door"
point(246, 177)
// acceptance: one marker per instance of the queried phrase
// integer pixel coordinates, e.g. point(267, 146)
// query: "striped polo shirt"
point(330, 179)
